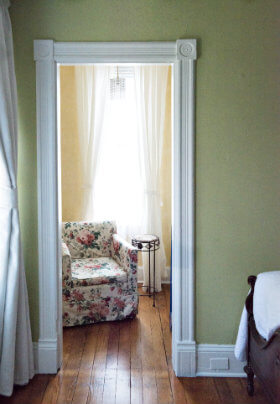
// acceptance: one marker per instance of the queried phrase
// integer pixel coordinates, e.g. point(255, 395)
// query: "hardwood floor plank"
point(70, 371)
point(113, 346)
point(223, 390)
point(136, 383)
point(160, 361)
point(259, 396)
point(84, 377)
point(201, 390)
point(96, 388)
point(135, 344)
point(102, 346)
point(95, 394)
point(123, 386)
point(149, 386)
point(148, 358)
point(128, 362)
point(110, 384)
point(176, 384)
point(52, 390)
point(124, 347)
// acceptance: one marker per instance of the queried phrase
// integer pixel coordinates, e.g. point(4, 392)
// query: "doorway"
point(181, 54)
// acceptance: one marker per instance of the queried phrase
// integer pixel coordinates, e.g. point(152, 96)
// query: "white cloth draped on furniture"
point(16, 352)
point(124, 188)
point(266, 309)
point(150, 91)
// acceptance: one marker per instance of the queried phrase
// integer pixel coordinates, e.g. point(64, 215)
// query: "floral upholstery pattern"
point(96, 271)
point(99, 271)
point(87, 241)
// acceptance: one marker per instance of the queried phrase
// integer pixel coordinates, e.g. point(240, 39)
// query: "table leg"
point(154, 291)
point(149, 272)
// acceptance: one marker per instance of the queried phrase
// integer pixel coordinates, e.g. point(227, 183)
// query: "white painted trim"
point(182, 55)
point(206, 352)
point(48, 209)
point(45, 356)
point(111, 52)
point(183, 282)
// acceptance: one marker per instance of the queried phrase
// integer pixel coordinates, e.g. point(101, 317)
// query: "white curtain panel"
point(150, 92)
point(108, 142)
point(121, 148)
point(16, 353)
point(92, 92)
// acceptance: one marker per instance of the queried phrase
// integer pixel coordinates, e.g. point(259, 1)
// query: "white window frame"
point(48, 54)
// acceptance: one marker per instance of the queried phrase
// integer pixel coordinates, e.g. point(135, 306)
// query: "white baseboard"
point(211, 360)
point(140, 275)
point(183, 358)
point(221, 357)
point(45, 356)
point(218, 361)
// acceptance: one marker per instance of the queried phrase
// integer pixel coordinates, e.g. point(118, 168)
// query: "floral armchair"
point(99, 271)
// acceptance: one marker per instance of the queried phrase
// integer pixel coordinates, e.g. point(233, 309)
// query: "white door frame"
point(48, 55)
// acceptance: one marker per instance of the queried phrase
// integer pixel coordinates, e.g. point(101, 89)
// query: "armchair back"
point(88, 239)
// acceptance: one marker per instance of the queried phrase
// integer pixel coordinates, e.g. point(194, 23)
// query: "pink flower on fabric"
point(77, 295)
point(119, 303)
point(104, 311)
point(116, 245)
point(132, 255)
point(85, 237)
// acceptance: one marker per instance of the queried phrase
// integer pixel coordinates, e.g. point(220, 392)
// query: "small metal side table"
point(148, 243)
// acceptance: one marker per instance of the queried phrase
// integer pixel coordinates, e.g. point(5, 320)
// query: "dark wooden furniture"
point(263, 357)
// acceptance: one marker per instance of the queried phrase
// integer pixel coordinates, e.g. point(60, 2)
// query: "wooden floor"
point(128, 362)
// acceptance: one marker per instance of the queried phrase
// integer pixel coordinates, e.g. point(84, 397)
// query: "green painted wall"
point(238, 142)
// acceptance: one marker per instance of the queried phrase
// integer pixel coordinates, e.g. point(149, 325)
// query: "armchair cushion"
point(88, 240)
point(96, 271)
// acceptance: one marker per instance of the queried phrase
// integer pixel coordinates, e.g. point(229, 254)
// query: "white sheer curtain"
point(150, 93)
point(92, 93)
point(117, 190)
point(108, 138)
point(121, 145)
point(16, 354)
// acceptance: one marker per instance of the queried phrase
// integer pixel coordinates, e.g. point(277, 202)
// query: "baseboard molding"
point(218, 361)
point(45, 356)
point(207, 356)
point(140, 275)
point(184, 358)
point(210, 360)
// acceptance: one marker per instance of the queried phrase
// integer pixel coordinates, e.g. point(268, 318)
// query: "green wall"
point(237, 126)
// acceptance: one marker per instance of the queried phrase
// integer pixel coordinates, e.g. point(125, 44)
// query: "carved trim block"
point(186, 49)
point(43, 49)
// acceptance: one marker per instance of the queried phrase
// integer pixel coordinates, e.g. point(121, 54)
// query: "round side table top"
point(146, 242)
point(145, 238)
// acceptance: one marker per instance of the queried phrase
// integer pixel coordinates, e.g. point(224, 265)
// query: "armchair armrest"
point(127, 257)
point(66, 264)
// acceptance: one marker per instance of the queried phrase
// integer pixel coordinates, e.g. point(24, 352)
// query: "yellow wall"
point(165, 175)
point(71, 172)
